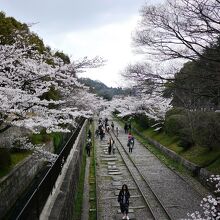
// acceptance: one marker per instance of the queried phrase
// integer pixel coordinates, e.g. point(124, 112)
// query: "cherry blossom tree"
point(152, 105)
point(209, 204)
point(27, 75)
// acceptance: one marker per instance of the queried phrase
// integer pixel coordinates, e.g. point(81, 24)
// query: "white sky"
point(84, 28)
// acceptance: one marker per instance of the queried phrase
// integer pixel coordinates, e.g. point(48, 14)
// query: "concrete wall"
point(60, 205)
point(8, 136)
point(13, 185)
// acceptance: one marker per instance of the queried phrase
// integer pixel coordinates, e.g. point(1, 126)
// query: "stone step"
point(111, 163)
point(113, 170)
point(108, 156)
point(117, 178)
point(109, 159)
point(115, 173)
point(116, 183)
point(112, 167)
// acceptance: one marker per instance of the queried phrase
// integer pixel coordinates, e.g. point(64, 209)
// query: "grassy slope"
point(15, 159)
point(78, 201)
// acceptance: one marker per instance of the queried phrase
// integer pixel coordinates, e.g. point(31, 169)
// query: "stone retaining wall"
point(14, 184)
point(7, 137)
point(63, 196)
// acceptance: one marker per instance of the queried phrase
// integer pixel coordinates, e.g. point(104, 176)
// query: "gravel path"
point(177, 195)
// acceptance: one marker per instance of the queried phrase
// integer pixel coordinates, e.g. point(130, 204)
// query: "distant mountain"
point(102, 90)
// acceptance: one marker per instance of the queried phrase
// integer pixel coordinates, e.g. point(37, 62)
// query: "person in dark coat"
point(126, 128)
point(89, 134)
point(123, 199)
point(88, 147)
point(112, 125)
point(129, 126)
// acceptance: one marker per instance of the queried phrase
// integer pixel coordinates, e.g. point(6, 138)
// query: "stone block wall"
point(14, 184)
point(8, 136)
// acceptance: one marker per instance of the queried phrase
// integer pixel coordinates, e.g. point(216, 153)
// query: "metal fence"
point(36, 202)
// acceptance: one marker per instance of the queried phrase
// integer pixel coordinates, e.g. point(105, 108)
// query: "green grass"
point(201, 156)
point(5, 171)
point(43, 137)
point(164, 139)
point(78, 201)
point(15, 159)
point(40, 138)
point(57, 141)
point(18, 157)
point(215, 167)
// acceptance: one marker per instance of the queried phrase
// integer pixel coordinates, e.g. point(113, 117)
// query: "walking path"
point(175, 193)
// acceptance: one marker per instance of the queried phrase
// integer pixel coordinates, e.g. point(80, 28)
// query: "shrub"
point(43, 137)
point(174, 123)
point(207, 129)
point(175, 111)
point(142, 120)
point(185, 137)
point(115, 112)
point(57, 142)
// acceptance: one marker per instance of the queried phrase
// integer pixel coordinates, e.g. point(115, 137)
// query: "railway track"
point(154, 204)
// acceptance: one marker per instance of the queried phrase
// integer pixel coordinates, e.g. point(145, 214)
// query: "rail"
point(163, 211)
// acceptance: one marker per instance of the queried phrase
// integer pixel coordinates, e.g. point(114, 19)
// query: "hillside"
point(102, 90)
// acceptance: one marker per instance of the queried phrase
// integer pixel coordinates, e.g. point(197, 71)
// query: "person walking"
point(129, 126)
point(89, 134)
point(107, 128)
point(123, 199)
point(88, 147)
point(129, 136)
point(110, 145)
point(113, 147)
point(97, 133)
point(126, 128)
point(112, 125)
point(131, 145)
point(117, 131)
point(101, 133)
point(132, 141)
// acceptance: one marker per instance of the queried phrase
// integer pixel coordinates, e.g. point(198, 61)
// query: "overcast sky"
point(84, 28)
